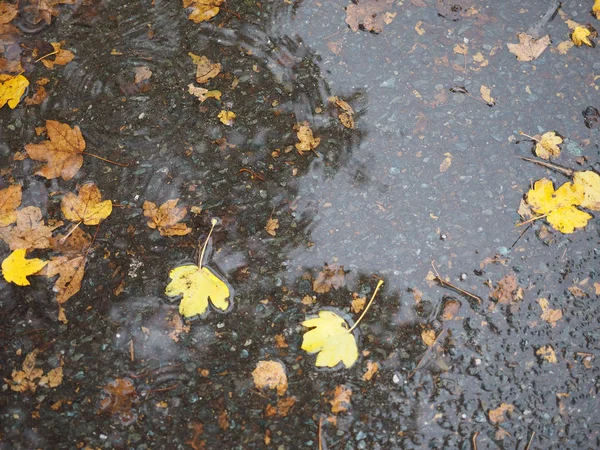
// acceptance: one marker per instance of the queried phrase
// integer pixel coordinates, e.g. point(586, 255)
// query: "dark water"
point(373, 200)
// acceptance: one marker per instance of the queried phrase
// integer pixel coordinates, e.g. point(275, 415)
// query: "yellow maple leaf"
point(226, 117)
point(86, 207)
point(580, 36)
point(596, 9)
point(16, 268)
point(202, 10)
point(590, 181)
point(198, 285)
point(331, 338)
point(12, 89)
point(547, 146)
point(559, 206)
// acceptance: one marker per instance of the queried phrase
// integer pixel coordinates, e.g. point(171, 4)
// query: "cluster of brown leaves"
point(30, 376)
point(120, 398)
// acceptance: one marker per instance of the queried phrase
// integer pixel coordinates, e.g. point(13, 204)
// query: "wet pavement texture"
point(373, 199)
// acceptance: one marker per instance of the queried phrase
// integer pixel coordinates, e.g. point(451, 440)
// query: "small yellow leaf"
point(590, 181)
point(580, 36)
point(205, 69)
point(202, 10)
point(596, 9)
point(330, 338)
point(486, 95)
point(547, 146)
point(272, 225)
point(428, 337)
point(16, 268)
point(198, 286)
point(547, 352)
point(226, 117)
point(305, 135)
point(12, 89)
point(86, 207)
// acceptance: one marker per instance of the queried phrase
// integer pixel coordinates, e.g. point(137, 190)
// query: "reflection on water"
point(426, 175)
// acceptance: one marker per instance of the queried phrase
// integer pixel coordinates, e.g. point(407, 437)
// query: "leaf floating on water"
point(305, 135)
point(166, 218)
point(16, 268)
point(12, 89)
point(10, 199)
point(529, 48)
point(548, 145)
point(86, 207)
point(330, 337)
point(270, 375)
point(202, 10)
point(332, 276)
point(29, 232)
point(62, 56)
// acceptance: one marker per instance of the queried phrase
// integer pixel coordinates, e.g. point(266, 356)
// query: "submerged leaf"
point(330, 337)
point(86, 207)
point(548, 145)
point(166, 218)
point(16, 269)
point(305, 135)
point(198, 286)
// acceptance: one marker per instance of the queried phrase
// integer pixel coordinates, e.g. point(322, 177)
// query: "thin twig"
point(520, 236)
point(533, 219)
point(447, 283)
point(475, 440)
point(106, 160)
point(530, 440)
point(45, 56)
point(64, 238)
point(564, 170)
point(201, 258)
point(379, 283)
point(320, 433)
point(410, 375)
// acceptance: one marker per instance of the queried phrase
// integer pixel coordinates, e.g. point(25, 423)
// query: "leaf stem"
point(64, 238)
point(213, 222)
point(530, 137)
point(563, 170)
point(379, 283)
point(533, 219)
point(45, 56)
point(105, 160)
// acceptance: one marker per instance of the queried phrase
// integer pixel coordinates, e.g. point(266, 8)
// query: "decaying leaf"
point(177, 327)
point(205, 69)
point(305, 135)
point(529, 48)
point(203, 94)
point(577, 292)
point(202, 10)
point(10, 200)
point(38, 97)
point(142, 73)
point(270, 375)
point(12, 89)
point(120, 397)
point(198, 286)
point(272, 225)
point(341, 399)
point(581, 36)
point(358, 303)
point(282, 408)
point(46, 9)
point(486, 95)
point(330, 337)
point(26, 379)
point(226, 117)
point(507, 290)
point(548, 145)
point(559, 206)
point(7, 12)
point(447, 162)
point(590, 182)
point(87, 207)
point(29, 232)
point(428, 337)
point(62, 56)
point(547, 352)
point(332, 276)
point(346, 114)
point(450, 309)
point(369, 15)
point(166, 218)
point(497, 415)
point(62, 152)
point(548, 314)
point(372, 368)
point(16, 269)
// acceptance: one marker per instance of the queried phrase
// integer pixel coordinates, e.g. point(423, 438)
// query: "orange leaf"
point(10, 199)
point(86, 207)
point(166, 217)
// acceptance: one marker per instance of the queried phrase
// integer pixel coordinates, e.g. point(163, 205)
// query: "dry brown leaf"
point(142, 73)
point(10, 200)
point(332, 276)
point(547, 352)
point(7, 12)
point(369, 15)
point(445, 165)
point(497, 415)
point(486, 95)
point(120, 398)
point(305, 135)
point(29, 232)
point(428, 337)
point(166, 218)
point(548, 145)
point(372, 368)
point(548, 314)
point(62, 56)
point(87, 206)
point(26, 379)
point(70, 271)
point(507, 290)
point(271, 375)
point(565, 46)
point(341, 399)
point(358, 303)
point(202, 10)
point(529, 48)
point(177, 327)
point(38, 97)
point(62, 152)
point(205, 69)
point(272, 225)
point(577, 292)
point(280, 341)
point(525, 210)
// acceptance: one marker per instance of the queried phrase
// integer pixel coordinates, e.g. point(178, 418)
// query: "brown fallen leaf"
point(197, 430)
point(120, 398)
point(38, 97)
point(46, 9)
point(450, 309)
point(62, 152)
point(26, 379)
point(576, 291)
point(486, 95)
point(271, 227)
point(369, 15)
point(305, 135)
point(372, 368)
point(507, 290)
point(10, 200)
point(358, 303)
point(497, 415)
point(205, 69)
point(529, 48)
point(271, 375)
point(548, 314)
point(29, 232)
point(87, 206)
point(62, 56)
point(142, 73)
point(547, 353)
point(202, 10)
point(177, 327)
point(70, 273)
point(166, 218)
point(445, 165)
point(341, 399)
point(282, 408)
point(346, 114)
point(7, 12)
point(280, 341)
point(332, 276)
point(203, 94)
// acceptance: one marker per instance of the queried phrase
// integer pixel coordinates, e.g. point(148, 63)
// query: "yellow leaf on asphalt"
point(486, 95)
point(12, 89)
point(590, 181)
point(202, 10)
point(10, 199)
point(16, 268)
point(547, 352)
point(428, 337)
point(596, 9)
point(226, 117)
point(86, 207)
point(580, 36)
point(198, 286)
point(330, 337)
point(548, 145)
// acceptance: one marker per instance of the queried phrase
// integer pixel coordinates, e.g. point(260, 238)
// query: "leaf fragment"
point(330, 337)
point(596, 9)
point(497, 415)
point(272, 226)
point(507, 290)
point(202, 10)
point(548, 314)
point(166, 218)
point(369, 15)
point(12, 89)
point(529, 48)
point(270, 375)
point(10, 199)
point(332, 276)
point(341, 399)
point(203, 94)
point(87, 206)
point(305, 135)
point(428, 337)
point(205, 69)
point(226, 117)
point(547, 352)
point(16, 268)
point(486, 95)
point(372, 368)
point(62, 56)
point(581, 36)
point(548, 145)
point(590, 182)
